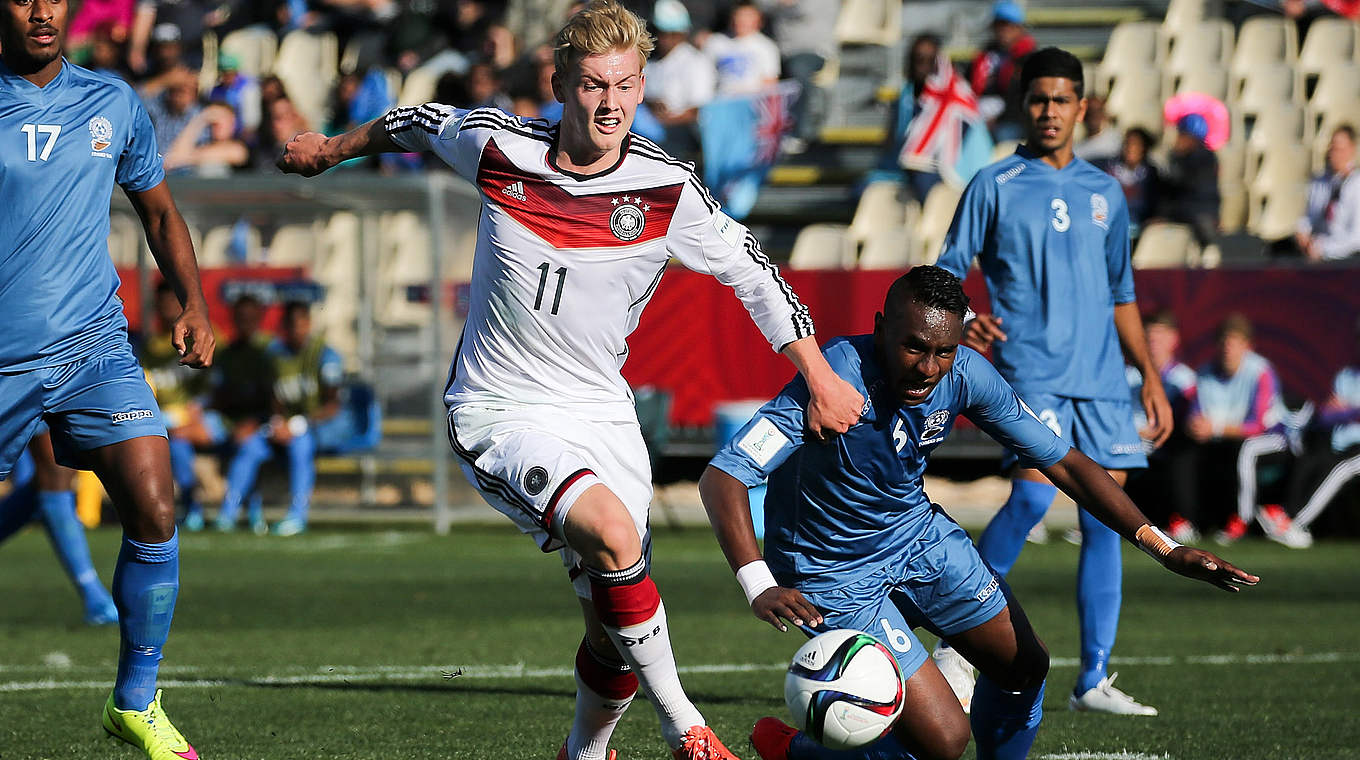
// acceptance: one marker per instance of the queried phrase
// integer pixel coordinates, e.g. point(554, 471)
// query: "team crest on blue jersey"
point(933, 427)
point(101, 136)
point(1100, 211)
point(627, 220)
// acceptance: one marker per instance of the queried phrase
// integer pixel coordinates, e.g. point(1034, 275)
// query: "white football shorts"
point(532, 464)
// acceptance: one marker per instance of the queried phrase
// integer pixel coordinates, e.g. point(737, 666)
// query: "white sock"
point(596, 713)
point(647, 648)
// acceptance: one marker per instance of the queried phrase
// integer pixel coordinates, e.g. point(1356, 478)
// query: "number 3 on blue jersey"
point(1061, 221)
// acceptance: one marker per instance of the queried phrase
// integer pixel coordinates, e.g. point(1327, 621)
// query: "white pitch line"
point(1104, 756)
point(379, 673)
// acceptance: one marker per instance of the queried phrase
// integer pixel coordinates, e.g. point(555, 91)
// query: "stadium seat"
point(1232, 209)
point(1337, 92)
point(1330, 42)
point(823, 246)
point(1260, 88)
point(308, 64)
point(217, 244)
point(869, 22)
point(403, 261)
point(419, 86)
point(1231, 159)
point(881, 206)
point(936, 216)
point(1274, 215)
point(1132, 47)
point(1279, 126)
point(1182, 13)
point(125, 239)
point(293, 245)
point(207, 73)
point(1164, 245)
point(1135, 101)
point(254, 47)
point(1204, 43)
point(888, 249)
point(1281, 166)
point(1265, 40)
point(1206, 79)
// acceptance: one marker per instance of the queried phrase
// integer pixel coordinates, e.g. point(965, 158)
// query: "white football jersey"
point(565, 262)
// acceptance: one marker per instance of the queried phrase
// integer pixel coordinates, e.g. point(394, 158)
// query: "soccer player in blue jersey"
point(852, 539)
point(1051, 233)
point(68, 136)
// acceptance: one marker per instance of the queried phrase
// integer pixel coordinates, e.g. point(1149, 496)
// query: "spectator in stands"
point(484, 88)
point(1190, 188)
point(105, 54)
point(1322, 476)
point(680, 79)
point(166, 57)
point(1102, 142)
point(174, 107)
point(1236, 416)
point(93, 18)
point(995, 72)
point(307, 375)
point(1138, 177)
point(801, 31)
point(917, 139)
point(1153, 487)
point(747, 61)
point(284, 121)
point(243, 401)
point(1330, 230)
point(191, 17)
point(208, 144)
point(178, 390)
point(240, 91)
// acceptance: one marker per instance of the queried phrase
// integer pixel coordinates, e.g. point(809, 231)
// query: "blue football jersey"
point(837, 512)
point(1054, 247)
point(62, 149)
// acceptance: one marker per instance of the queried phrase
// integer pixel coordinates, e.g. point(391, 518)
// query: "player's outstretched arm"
point(1093, 488)
point(728, 503)
point(168, 237)
point(1128, 323)
point(835, 404)
point(311, 153)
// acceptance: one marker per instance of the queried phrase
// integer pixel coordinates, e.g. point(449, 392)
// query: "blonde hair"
point(602, 26)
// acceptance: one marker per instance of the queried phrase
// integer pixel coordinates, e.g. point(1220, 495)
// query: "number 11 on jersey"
point(543, 286)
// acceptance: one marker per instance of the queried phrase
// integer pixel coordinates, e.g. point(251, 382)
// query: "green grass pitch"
point(346, 644)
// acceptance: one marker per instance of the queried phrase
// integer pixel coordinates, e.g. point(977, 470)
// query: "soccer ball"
point(844, 689)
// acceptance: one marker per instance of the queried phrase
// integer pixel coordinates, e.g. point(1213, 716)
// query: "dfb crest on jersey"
point(535, 480)
point(1100, 211)
point(934, 425)
point(627, 220)
point(101, 134)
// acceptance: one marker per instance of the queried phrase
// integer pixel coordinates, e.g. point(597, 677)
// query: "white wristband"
point(755, 579)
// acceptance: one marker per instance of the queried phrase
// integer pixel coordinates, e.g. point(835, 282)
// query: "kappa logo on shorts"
point(132, 416)
point(535, 480)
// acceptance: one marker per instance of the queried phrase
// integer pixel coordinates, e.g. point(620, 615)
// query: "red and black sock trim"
point(608, 679)
point(623, 597)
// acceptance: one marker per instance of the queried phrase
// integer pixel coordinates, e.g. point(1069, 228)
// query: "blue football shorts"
point(940, 583)
point(93, 402)
point(1102, 429)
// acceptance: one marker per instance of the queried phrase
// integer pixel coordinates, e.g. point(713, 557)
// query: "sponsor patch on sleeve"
point(728, 229)
point(762, 442)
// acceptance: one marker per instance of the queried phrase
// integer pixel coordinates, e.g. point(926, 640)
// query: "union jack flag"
point(935, 135)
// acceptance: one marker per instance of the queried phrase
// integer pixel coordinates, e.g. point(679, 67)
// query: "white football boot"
point(957, 671)
point(1104, 697)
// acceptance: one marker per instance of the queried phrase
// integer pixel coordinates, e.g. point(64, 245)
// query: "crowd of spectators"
point(1239, 453)
point(266, 396)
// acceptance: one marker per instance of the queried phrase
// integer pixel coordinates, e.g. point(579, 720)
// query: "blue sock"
point(1004, 722)
point(887, 748)
point(301, 475)
point(1099, 592)
point(1001, 542)
point(245, 465)
point(145, 586)
point(58, 510)
point(182, 468)
point(255, 509)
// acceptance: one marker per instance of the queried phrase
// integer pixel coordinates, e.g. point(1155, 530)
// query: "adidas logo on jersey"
point(515, 190)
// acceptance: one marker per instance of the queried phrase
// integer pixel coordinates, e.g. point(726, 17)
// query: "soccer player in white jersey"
point(579, 220)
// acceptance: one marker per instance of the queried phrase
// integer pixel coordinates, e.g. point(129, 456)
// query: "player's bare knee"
point(947, 741)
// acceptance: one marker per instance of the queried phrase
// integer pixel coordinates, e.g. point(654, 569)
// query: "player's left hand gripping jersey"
point(62, 148)
point(565, 263)
point(837, 512)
